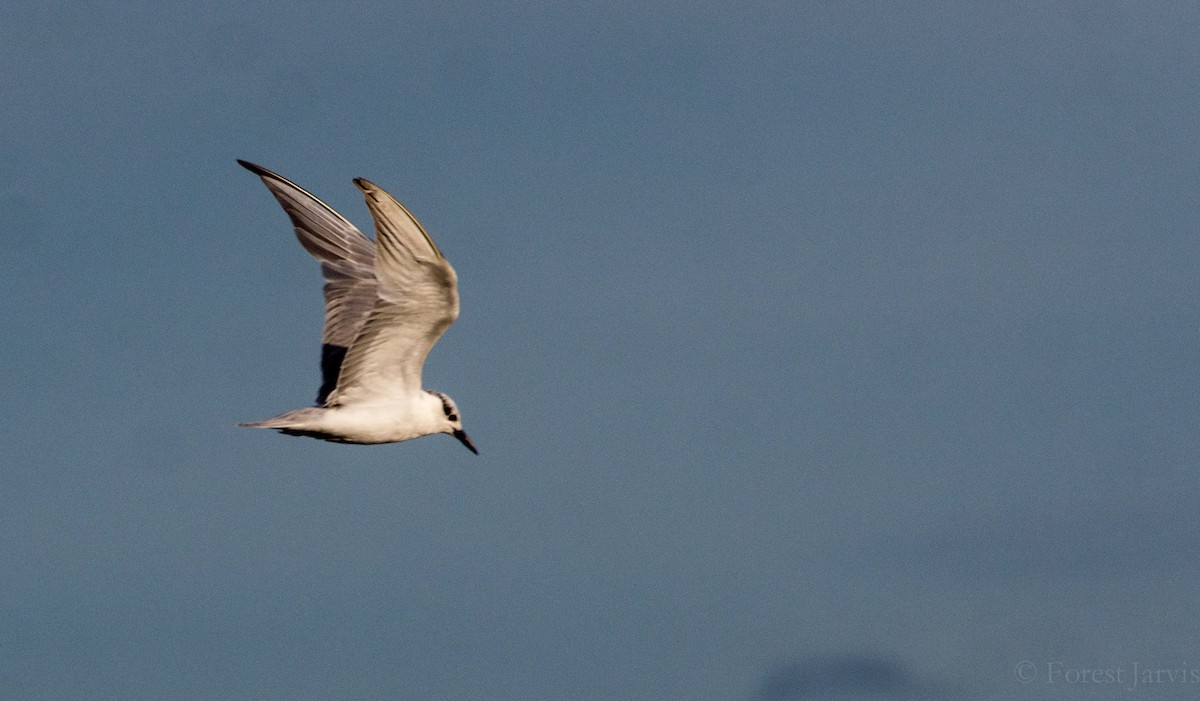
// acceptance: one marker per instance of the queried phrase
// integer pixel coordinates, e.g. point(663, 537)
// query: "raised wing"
point(347, 261)
point(417, 300)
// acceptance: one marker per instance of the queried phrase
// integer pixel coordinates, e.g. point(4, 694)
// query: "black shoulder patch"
point(331, 366)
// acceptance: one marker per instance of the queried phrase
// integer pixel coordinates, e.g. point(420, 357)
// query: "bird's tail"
point(296, 419)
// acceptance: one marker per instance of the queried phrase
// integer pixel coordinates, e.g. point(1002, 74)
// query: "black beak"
point(462, 436)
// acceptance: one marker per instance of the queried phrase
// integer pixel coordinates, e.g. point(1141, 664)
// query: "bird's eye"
point(452, 417)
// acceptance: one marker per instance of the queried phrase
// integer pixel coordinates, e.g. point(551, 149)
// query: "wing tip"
point(255, 168)
point(374, 193)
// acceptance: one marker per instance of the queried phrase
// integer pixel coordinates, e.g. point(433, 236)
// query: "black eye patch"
point(452, 416)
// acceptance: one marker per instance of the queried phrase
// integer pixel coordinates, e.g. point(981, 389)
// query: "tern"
point(387, 303)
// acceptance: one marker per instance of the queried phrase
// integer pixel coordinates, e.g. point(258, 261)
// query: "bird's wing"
point(347, 261)
point(417, 302)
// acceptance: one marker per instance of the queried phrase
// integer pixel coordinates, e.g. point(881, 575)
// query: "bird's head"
point(453, 421)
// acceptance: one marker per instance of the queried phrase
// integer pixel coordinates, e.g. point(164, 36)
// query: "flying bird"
point(386, 303)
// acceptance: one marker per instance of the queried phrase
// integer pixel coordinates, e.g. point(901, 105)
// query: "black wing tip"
point(365, 185)
point(256, 169)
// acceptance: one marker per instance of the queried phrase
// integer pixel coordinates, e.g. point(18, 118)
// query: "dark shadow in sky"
point(852, 675)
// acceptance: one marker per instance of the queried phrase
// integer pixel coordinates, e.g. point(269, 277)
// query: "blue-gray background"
point(814, 351)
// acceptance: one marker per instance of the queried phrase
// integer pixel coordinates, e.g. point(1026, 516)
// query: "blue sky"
point(813, 350)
